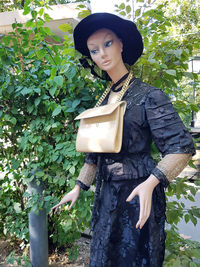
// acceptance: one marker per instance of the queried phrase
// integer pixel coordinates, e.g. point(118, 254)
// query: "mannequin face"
point(105, 49)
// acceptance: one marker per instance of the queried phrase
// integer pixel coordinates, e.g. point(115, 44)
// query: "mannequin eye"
point(94, 51)
point(108, 43)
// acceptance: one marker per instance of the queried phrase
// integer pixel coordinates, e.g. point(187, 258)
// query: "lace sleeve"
point(86, 176)
point(170, 167)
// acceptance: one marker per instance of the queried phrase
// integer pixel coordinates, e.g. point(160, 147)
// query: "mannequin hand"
point(71, 196)
point(144, 191)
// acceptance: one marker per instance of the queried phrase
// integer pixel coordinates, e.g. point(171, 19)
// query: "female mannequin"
point(129, 210)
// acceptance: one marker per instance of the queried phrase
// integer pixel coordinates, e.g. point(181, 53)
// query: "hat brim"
point(126, 30)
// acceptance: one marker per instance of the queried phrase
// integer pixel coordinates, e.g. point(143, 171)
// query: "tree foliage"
point(10, 5)
point(43, 87)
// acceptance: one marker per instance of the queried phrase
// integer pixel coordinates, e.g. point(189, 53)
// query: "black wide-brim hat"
point(126, 30)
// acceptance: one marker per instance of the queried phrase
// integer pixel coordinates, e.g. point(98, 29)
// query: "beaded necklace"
point(121, 93)
point(115, 85)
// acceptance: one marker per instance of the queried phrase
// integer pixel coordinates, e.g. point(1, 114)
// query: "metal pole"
point(38, 231)
point(192, 122)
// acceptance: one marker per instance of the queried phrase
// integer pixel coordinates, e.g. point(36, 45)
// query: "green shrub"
point(43, 87)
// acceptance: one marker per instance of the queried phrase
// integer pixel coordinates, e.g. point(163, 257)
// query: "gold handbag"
point(101, 127)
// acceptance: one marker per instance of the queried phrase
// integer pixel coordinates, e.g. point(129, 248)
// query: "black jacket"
point(150, 116)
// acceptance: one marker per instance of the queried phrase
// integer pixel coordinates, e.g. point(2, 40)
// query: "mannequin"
point(129, 211)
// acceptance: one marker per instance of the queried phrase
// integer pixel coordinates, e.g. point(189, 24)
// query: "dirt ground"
point(55, 260)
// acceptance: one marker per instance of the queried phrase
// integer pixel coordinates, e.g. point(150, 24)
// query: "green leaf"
point(193, 190)
point(56, 111)
point(39, 174)
point(52, 90)
point(72, 170)
point(75, 103)
point(190, 198)
point(71, 72)
point(41, 11)
point(152, 60)
point(47, 198)
point(37, 90)
point(59, 80)
point(194, 220)
point(30, 108)
point(26, 10)
point(47, 17)
point(187, 218)
point(29, 23)
point(37, 101)
point(47, 31)
point(56, 38)
point(138, 12)
point(47, 72)
point(163, 66)
point(41, 53)
point(17, 207)
point(65, 27)
point(62, 181)
point(83, 14)
point(188, 74)
point(162, 27)
point(53, 72)
point(128, 9)
point(194, 107)
point(171, 72)
point(59, 146)
point(26, 91)
point(122, 6)
point(123, 13)
point(155, 37)
point(81, 6)
point(152, 55)
point(40, 148)
point(178, 52)
point(7, 117)
point(70, 110)
point(68, 51)
point(65, 68)
point(13, 120)
point(196, 212)
point(55, 157)
point(68, 224)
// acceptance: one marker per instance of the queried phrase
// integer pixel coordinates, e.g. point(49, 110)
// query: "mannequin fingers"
point(141, 216)
point(141, 223)
point(55, 207)
point(145, 210)
point(71, 205)
point(131, 196)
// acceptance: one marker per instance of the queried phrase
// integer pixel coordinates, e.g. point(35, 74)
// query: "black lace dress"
point(116, 242)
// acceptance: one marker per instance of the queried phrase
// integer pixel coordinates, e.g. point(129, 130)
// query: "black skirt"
point(116, 242)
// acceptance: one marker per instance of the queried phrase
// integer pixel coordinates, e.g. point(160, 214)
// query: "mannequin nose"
point(103, 53)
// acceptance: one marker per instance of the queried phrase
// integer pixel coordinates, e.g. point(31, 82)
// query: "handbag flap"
point(100, 111)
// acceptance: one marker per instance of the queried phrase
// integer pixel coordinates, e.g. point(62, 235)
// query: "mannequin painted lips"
point(106, 62)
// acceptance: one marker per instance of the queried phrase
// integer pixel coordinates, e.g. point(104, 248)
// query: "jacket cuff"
point(82, 185)
point(161, 177)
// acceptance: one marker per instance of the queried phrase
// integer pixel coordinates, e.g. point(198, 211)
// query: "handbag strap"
point(121, 93)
